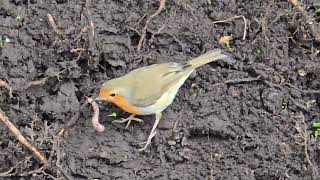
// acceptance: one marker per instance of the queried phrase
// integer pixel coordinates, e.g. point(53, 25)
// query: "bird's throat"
point(120, 101)
point(124, 105)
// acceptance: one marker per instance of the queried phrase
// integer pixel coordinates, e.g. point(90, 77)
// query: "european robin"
point(151, 89)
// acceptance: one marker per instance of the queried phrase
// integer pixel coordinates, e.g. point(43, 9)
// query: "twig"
point(141, 19)
point(235, 17)
point(77, 50)
point(308, 19)
point(144, 30)
point(236, 81)
point(37, 82)
point(301, 90)
point(6, 85)
point(83, 30)
point(91, 24)
point(133, 29)
point(271, 84)
point(20, 137)
point(28, 7)
point(53, 24)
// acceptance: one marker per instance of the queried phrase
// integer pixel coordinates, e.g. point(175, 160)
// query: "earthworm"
point(95, 118)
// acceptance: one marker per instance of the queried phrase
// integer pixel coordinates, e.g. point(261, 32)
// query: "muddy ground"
point(250, 120)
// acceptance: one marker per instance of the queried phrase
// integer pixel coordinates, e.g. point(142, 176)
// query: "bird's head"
point(118, 91)
point(111, 90)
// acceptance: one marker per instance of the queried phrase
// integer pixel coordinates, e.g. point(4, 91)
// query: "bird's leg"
point(128, 120)
point(153, 132)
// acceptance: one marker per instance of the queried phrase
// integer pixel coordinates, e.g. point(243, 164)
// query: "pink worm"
point(95, 118)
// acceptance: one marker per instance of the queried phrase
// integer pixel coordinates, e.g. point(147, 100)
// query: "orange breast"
point(121, 102)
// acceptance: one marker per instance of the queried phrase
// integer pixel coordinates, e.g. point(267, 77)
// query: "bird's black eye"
point(113, 94)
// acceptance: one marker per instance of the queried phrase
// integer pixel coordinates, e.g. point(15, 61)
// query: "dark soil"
point(213, 130)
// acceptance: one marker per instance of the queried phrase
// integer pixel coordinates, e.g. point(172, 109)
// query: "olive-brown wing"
point(151, 82)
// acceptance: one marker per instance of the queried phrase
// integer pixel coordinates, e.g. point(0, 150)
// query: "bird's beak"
point(98, 98)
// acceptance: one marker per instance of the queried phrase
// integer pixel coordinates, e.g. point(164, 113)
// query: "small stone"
point(302, 72)
point(172, 143)
point(311, 103)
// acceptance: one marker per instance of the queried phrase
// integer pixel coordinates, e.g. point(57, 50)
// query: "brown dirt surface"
point(245, 128)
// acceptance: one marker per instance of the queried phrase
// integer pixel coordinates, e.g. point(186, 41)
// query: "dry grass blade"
point(53, 24)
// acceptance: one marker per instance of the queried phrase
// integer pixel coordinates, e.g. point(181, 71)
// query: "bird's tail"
point(210, 56)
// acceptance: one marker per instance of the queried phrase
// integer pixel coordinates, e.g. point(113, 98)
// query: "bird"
point(151, 89)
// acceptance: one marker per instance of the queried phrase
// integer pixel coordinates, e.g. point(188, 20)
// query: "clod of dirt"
point(65, 100)
point(273, 100)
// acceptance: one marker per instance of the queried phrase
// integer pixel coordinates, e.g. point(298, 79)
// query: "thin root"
point(311, 23)
point(6, 85)
point(304, 135)
point(6, 173)
point(22, 139)
point(235, 17)
point(144, 30)
point(83, 30)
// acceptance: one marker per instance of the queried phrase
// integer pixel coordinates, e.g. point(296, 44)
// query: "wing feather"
point(163, 76)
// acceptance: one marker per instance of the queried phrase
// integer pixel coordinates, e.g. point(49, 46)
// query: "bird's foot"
point(128, 120)
point(153, 132)
point(146, 143)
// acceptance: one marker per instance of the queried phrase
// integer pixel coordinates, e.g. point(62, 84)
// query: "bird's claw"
point(128, 120)
point(146, 143)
